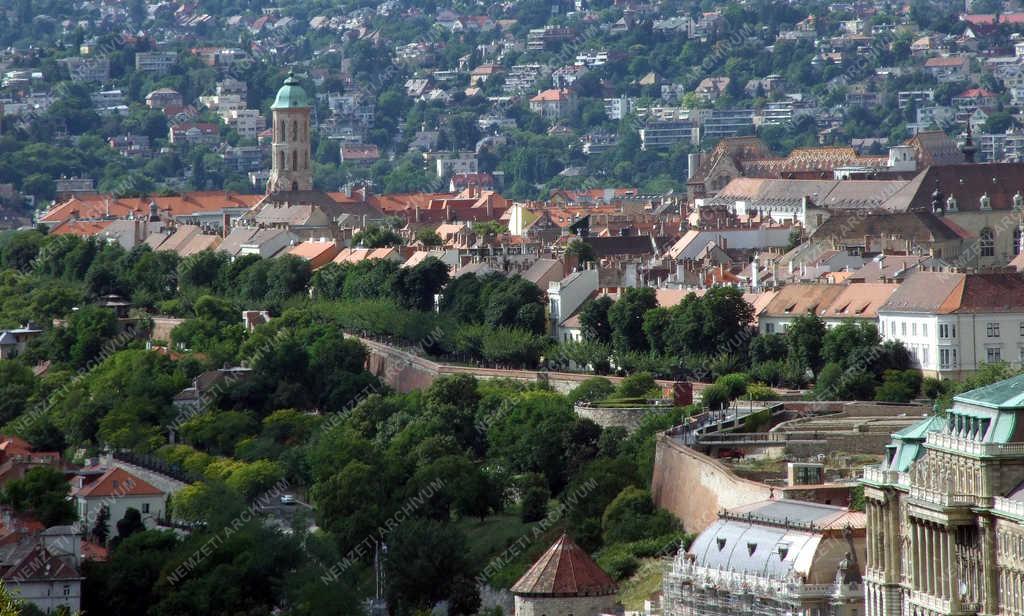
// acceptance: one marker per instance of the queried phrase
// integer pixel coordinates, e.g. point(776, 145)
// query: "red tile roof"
point(551, 95)
point(81, 228)
point(976, 93)
point(118, 482)
point(565, 570)
point(104, 206)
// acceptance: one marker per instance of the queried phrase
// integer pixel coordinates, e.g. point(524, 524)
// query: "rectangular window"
point(993, 355)
point(924, 329)
point(903, 328)
point(992, 329)
point(1022, 329)
point(145, 507)
point(913, 329)
point(944, 359)
point(943, 330)
point(892, 327)
point(924, 356)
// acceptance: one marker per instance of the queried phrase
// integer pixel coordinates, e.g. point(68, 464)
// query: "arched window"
point(987, 242)
point(1016, 240)
point(280, 161)
point(280, 132)
point(305, 129)
point(295, 160)
point(305, 155)
point(295, 130)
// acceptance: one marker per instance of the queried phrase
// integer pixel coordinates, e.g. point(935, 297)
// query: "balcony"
point(946, 499)
point(956, 444)
point(882, 476)
point(944, 606)
point(1007, 506)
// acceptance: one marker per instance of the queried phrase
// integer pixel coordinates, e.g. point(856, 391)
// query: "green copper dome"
point(291, 95)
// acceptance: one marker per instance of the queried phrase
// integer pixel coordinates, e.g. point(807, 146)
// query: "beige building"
point(946, 511)
point(291, 170)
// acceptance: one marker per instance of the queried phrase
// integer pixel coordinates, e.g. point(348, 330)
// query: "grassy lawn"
point(646, 580)
point(505, 536)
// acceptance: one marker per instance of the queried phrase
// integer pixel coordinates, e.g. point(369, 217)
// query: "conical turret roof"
point(565, 570)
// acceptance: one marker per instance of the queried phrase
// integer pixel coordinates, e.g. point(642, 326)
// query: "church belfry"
point(291, 168)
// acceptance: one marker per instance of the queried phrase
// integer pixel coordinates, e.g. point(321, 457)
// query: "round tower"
point(565, 581)
point(291, 168)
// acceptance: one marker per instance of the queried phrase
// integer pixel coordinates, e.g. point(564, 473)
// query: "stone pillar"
point(872, 532)
point(943, 566)
point(952, 569)
point(916, 557)
point(929, 570)
point(988, 563)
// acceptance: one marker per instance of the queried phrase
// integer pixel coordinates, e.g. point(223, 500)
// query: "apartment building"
point(952, 323)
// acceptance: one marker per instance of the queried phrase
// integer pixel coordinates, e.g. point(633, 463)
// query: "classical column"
point(872, 524)
point(872, 536)
point(989, 584)
point(894, 563)
point(929, 545)
point(952, 570)
point(916, 556)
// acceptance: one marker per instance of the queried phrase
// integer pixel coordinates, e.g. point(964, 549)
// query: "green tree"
point(804, 338)
point(101, 528)
point(376, 237)
point(593, 389)
point(428, 237)
point(17, 384)
point(637, 385)
point(415, 287)
point(424, 559)
point(583, 251)
point(631, 516)
point(43, 492)
point(594, 323)
point(627, 319)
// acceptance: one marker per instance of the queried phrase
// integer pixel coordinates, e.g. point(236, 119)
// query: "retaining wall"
point(695, 487)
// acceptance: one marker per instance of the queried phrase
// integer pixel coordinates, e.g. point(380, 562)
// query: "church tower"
point(291, 168)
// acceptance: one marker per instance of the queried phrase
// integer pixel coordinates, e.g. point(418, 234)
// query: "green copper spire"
point(291, 95)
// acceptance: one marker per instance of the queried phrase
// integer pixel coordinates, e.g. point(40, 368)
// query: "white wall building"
point(565, 297)
point(953, 323)
point(117, 490)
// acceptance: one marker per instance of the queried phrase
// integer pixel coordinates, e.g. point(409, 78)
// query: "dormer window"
point(986, 202)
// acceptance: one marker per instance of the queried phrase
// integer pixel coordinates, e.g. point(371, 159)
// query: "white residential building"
point(953, 323)
point(565, 297)
point(461, 162)
point(117, 490)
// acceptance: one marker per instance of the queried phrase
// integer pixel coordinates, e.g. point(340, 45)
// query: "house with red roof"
point(117, 490)
point(948, 68)
point(554, 104)
point(972, 99)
